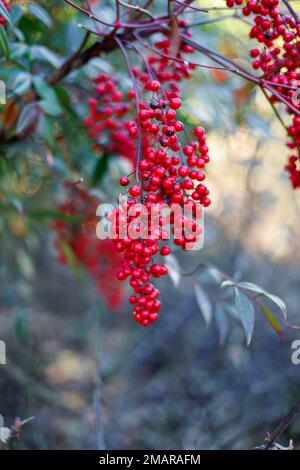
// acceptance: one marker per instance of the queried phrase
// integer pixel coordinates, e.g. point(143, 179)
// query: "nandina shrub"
point(128, 107)
point(115, 97)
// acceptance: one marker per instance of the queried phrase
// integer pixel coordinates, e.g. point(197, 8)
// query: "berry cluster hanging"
point(278, 58)
point(167, 171)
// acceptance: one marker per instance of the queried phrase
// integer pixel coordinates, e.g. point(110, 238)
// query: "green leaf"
point(6, 14)
point(252, 287)
point(64, 99)
point(100, 169)
point(43, 89)
point(21, 83)
point(211, 275)
point(221, 322)
point(246, 313)
point(227, 284)
point(44, 54)
point(173, 269)
point(21, 329)
point(204, 304)
point(16, 12)
point(49, 102)
point(259, 290)
point(73, 36)
point(52, 108)
point(17, 50)
point(27, 117)
point(46, 130)
point(279, 302)
point(4, 43)
point(40, 13)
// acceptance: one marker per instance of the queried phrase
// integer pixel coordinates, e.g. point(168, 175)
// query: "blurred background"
point(92, 377)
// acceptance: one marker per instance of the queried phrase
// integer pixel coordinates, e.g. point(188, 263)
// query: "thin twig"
point(274, 109)
point(291, 10)
point(136, 8)
point(271, 438)
point(134, 83)
point(176, 59)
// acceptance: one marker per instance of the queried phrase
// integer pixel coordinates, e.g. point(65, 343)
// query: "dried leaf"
point(10, 115)
point(272, 320)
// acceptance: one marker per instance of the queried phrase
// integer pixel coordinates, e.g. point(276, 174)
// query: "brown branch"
point(77, 60)
point(271, 439)
point(82, 57)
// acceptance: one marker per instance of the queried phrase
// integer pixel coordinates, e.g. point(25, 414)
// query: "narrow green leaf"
point(204, 304)
point(27, 117)
point(21, 330)
point(42, 53)
point(221, 322)
point(246, 313)
point(43, 89)
point(227, 284)
point(100, 169)
point(21, 82)
point(40, 13)
point(277, 301)
point(6, 14)
point(46, 131)
point(4, 43)
point(211, 275)
point(259, 290)
point(252, 287)
point(52, 108)
point(173, 269)
point(17, 50)
point(49, 102)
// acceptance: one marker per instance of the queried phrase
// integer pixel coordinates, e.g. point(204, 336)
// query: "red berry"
point(154, 85)
point(175, 103)
point(124, 181)
point(170, 114)
point(199, 131)
point(165, 251)
point(135, 191)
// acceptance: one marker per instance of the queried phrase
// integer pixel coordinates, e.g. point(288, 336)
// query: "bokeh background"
point(90, 376)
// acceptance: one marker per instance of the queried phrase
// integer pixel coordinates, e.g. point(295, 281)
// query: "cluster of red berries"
point(107, 119)
point(279, 59)
point(169, 173)
point(79, 235)
point(7, 6)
